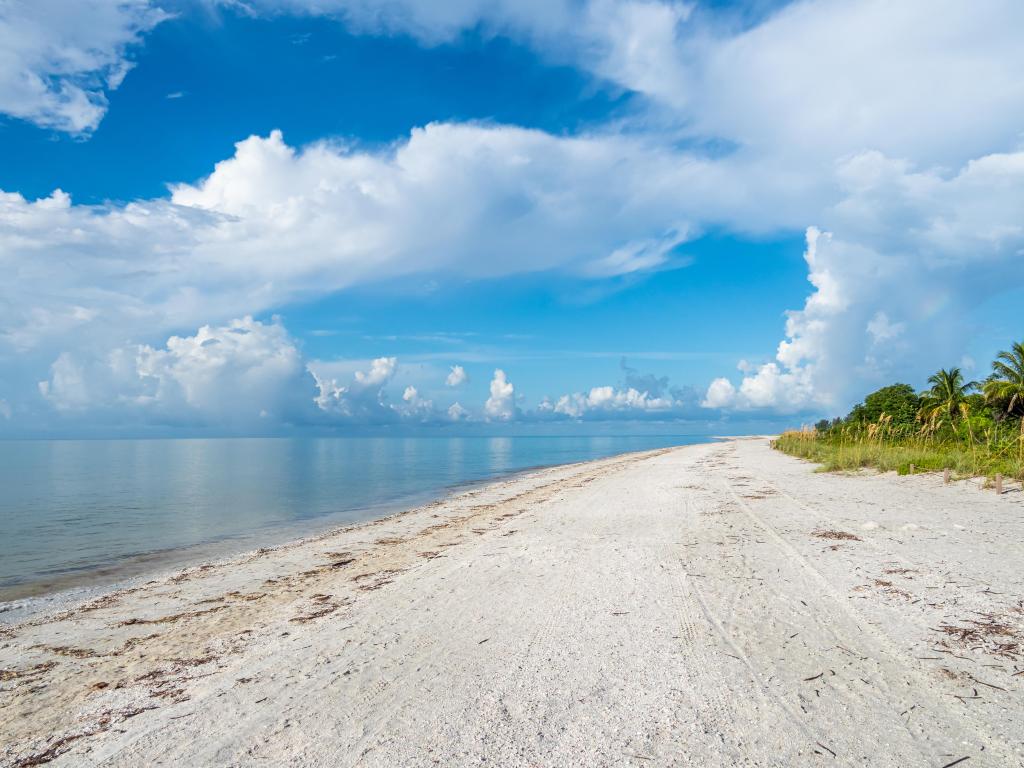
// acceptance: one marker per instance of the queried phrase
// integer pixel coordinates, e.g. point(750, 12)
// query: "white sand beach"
point(709, 605)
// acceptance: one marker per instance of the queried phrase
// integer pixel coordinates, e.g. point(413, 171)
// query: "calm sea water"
point(79, 512)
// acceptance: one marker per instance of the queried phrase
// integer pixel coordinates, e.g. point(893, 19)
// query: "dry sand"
point(714, 605)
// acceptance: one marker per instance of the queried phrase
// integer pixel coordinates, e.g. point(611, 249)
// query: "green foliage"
point(946, 427)
point(898, 400)
point(1004, 390)
point(946, 401)
point(837, 452)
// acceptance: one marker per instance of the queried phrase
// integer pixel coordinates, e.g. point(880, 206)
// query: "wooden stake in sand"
point(945, 475)
point(999, 484)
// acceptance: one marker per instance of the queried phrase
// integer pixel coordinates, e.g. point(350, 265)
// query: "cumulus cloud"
point(234, 374)
point(606, 400)
point(364, 398)
point(241, 375)
point(641, 396)
point(918, 251)
point(59, 59)
point(721, 394)
point(456, 376)
point(242, 370)
point(416, 405)
point(432, 204)
point(456, 412)
point(501, 405)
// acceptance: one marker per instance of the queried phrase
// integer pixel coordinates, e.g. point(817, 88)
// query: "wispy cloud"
point(61, 59)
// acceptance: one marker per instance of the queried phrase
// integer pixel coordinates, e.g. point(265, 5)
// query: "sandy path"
point(676, 607)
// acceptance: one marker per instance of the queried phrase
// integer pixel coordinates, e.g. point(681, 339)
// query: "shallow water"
point(78, 512)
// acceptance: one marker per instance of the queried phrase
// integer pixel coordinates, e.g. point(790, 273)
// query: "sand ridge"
point(710, 605)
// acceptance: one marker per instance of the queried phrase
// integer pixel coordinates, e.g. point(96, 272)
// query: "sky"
point(497, 216)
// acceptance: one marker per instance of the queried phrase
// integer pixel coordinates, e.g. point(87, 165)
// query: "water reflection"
point(74, 507)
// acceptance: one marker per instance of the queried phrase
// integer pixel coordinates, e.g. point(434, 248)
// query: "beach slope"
point(710, 605)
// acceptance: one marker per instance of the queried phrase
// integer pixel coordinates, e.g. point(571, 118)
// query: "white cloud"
point(5, 409)
point(242, 370)
point(820, 80)
point(882, 330)
point(364, 398)
point(233, 375)
point(607, 400)
point(456, 376)
point(241, 375)
point(721, 394)
point(66, 387)
point(416, 405)
point(892, 296)
point(433, 204)
point(813, 79)
point(501, 405)
point(58, 59)
point(381, 371)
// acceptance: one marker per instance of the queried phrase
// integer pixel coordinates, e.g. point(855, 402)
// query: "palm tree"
point(946, 401)
point(1006, 385)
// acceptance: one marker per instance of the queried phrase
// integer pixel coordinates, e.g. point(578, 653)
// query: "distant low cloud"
point(501, 405)
point(457, 413)
point(243, 375)
point(605, 399)
point(364, 398)
point(457, 376)
point(233, 375)
point(640, 397)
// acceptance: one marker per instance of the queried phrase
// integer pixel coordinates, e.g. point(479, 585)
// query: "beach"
point(709, 605)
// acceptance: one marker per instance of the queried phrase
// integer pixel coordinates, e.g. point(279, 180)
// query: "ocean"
point(87, 512)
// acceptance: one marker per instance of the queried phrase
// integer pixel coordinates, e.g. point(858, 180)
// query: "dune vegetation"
point(971, 428)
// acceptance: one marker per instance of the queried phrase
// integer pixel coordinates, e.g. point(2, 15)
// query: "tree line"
point(951, 404)
point(970, 428)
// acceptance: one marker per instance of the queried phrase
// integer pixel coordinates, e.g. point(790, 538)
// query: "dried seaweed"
point(836, 535)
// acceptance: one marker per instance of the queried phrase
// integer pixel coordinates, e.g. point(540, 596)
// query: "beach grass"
point(839, 450)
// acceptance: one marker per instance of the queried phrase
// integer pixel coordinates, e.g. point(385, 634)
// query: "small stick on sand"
point(826, 749)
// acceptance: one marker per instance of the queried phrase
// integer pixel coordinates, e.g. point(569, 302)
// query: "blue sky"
point(679, 217)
